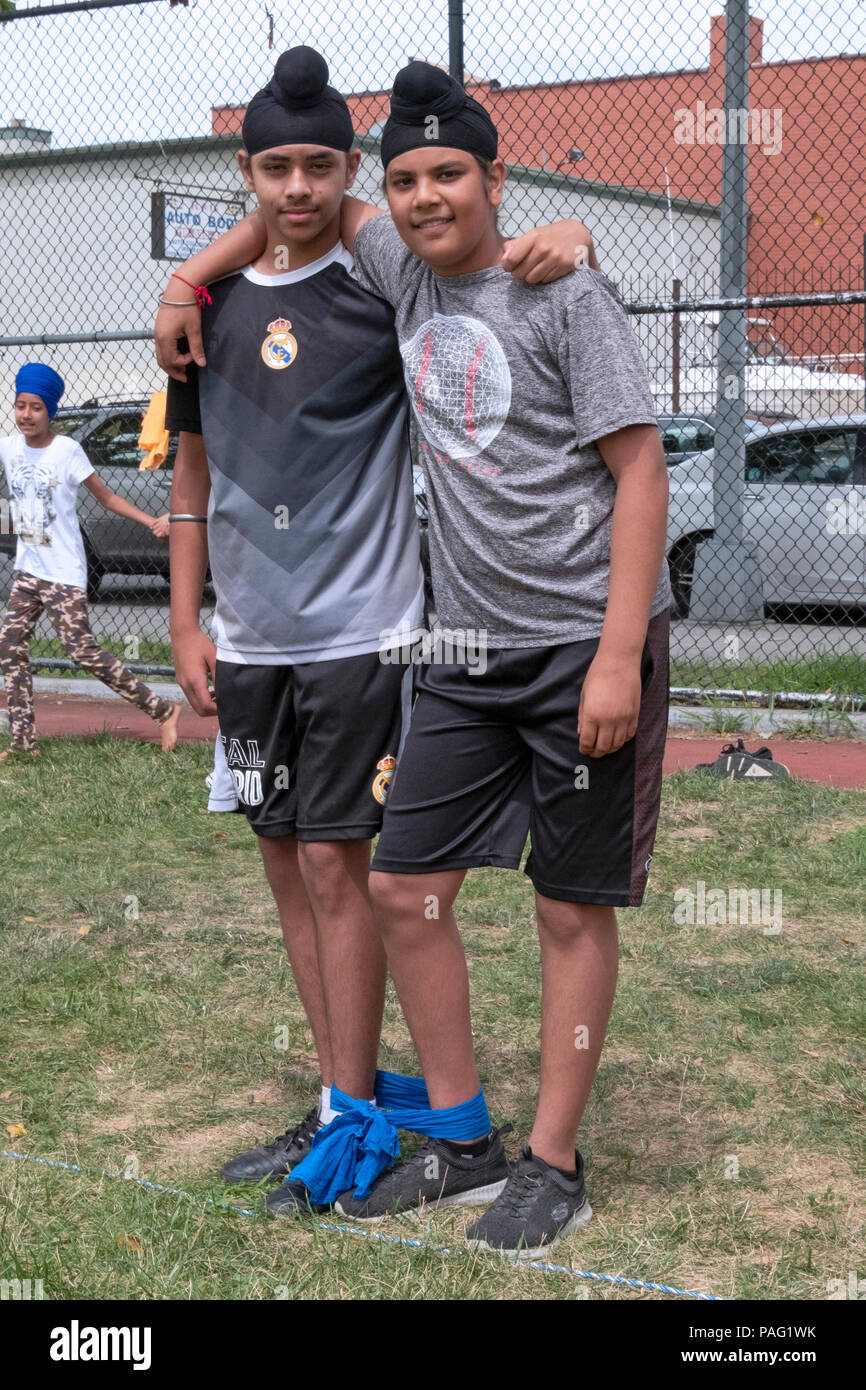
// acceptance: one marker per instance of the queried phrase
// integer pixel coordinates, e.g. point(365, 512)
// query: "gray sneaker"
point(433, 1176)
point(537, 1206)
point(737, 763)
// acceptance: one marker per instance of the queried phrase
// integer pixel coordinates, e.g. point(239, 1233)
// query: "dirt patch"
point(793, 1178)
point(266, 1093)
point(118, 1124)
point(256, 924)
point(133, 1106)
point(828, 831)
point(207, 1148)
point(684, 1136)
point(745, 1069)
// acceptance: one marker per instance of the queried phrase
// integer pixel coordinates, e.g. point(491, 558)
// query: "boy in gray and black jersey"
point(293, 441)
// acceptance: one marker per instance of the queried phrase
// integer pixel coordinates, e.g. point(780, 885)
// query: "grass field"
point(843, 675)
point(143, 985)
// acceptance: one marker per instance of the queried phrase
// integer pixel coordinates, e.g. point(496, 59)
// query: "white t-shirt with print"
point(42, 487)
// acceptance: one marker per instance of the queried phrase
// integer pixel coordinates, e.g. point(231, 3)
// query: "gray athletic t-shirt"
point(510, 386)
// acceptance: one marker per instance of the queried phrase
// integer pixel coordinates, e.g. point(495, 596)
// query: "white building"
point(76, 232)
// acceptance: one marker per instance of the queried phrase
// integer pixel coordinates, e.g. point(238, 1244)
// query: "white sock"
point(326, 1114)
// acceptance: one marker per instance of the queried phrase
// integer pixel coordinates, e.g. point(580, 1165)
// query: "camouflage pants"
point(66, 606)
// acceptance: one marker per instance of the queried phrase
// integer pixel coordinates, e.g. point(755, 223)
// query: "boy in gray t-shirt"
point(547, 492)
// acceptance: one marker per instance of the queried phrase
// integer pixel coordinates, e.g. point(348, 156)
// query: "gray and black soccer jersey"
point(312, 535)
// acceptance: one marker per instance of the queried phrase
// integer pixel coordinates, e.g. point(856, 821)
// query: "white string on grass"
point(374, 1235)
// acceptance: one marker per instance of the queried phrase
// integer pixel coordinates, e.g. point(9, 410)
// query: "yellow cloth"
point(154, 435)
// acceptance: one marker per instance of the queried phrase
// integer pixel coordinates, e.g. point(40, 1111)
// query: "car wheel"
point(682, 567)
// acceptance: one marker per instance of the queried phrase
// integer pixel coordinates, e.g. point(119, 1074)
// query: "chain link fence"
point(717, 157)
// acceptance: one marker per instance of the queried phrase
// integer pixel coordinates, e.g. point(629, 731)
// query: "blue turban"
point(38, 379)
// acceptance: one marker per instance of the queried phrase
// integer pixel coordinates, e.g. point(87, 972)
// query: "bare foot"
point(19, 753)
point(168, 730)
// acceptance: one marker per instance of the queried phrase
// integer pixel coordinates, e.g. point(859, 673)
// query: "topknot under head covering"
point(38, 379)
point(421, 91)
point(297, 107)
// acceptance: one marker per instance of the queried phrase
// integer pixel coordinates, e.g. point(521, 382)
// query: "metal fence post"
point(455, 39)
point(727, 574)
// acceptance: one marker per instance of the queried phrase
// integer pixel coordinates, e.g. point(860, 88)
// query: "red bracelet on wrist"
point(201, 295)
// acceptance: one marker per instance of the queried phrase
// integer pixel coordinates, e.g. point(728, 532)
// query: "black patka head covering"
point(298, 107)
point(421, 91)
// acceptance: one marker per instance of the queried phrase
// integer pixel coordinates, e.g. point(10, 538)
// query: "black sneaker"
point(537, 1206)
point(274, 1160)
point(292, 1199)
point(434, 1176)
point(736, 763)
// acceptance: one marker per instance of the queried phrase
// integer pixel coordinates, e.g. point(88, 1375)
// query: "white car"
point(804, 511)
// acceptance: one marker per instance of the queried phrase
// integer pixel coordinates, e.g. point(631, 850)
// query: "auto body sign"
point(183, 223)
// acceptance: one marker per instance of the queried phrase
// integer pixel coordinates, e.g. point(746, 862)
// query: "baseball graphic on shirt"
point(459, 383)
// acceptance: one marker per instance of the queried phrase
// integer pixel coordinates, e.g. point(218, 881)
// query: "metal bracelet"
point(178, 303)
point(185, 516)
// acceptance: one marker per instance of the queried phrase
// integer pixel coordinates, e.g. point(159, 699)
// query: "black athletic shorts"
point(312, 748)
point(491, 756)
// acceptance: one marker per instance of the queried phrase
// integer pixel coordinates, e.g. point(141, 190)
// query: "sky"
point(148, 71)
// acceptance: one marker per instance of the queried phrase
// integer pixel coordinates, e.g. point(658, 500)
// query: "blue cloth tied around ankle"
point(355, 1148)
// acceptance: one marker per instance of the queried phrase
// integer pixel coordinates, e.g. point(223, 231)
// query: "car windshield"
point(70, 424)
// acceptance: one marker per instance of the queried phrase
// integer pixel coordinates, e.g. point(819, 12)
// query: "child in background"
point(43, 472)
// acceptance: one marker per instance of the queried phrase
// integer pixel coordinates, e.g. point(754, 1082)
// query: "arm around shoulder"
point(181, 318)
point(354, 212)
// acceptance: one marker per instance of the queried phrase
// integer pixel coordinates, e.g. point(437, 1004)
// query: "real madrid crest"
point(382, 780)
point(280, 348)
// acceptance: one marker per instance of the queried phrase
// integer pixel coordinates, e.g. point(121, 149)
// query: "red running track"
point(835, 762)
